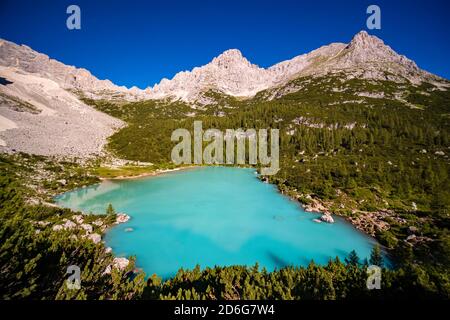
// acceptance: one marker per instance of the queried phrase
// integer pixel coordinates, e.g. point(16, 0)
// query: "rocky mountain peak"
point(230, 58)
point(365, 56)
point(230, 54)
point(376, 59)
point(364, 40)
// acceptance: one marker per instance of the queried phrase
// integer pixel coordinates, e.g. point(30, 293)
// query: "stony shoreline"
point(367, 222)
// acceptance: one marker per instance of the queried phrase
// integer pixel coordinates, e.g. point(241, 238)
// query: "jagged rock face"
point(233, 74)
point(68, 77)
point(368, 57)
point(230, 73)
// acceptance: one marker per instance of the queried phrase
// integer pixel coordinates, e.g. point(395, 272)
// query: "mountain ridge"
point(230, 72)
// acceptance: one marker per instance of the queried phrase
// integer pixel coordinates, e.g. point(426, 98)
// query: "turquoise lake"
point(214, 216)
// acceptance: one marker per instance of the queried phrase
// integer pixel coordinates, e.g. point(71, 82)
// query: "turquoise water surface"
point(214, 216)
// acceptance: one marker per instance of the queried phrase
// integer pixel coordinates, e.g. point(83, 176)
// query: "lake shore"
point(367, 222)
point(156, 172)
point(268, 216)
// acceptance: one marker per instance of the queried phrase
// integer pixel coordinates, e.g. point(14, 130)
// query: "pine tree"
point(352, 258)
point(110, 210)
point(376, 257)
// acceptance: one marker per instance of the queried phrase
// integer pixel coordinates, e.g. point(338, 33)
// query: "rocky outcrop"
point(371, 222)
point(230, 73)
point(22, 57)
point(78, 218)
point(122, 218)
point(94, 237)
point(118, 263)
point(316, 206)
point(327, 218)
point(67, 225)
point(87, 227)
point(368, 222)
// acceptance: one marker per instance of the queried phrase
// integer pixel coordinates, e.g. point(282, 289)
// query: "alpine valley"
point(364, 135)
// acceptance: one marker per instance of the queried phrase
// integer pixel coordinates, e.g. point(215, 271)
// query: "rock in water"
point(122, 218)
point(327, 218)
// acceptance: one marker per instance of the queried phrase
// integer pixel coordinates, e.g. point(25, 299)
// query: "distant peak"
point(362, 38)
point(362, 33)
point(230, 56)
point(232, 53)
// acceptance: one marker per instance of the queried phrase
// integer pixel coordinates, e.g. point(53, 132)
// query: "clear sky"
point(139, 42)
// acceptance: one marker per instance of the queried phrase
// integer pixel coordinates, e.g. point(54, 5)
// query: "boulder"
point(327, 218)
point(69, 224)
point(412, 230)
point(120, 263)
point(98, 223)
point(87, 227)
point(57, 227)
point(95, 237)
point(122, 218)
point(107, 270)
point(78, 218)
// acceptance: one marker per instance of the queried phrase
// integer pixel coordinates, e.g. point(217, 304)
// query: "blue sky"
point(139, 42)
